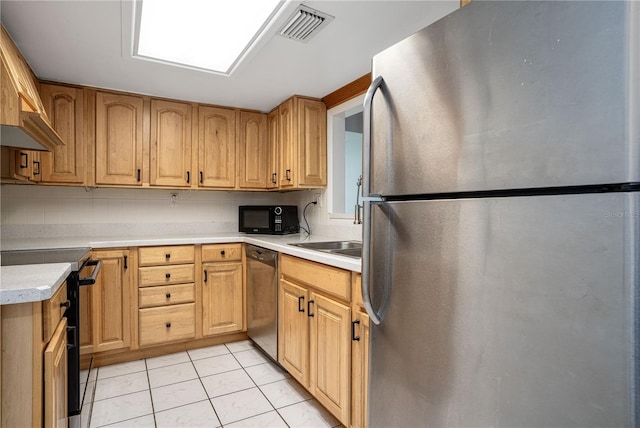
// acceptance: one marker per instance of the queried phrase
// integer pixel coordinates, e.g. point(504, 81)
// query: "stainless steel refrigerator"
point(501, 234)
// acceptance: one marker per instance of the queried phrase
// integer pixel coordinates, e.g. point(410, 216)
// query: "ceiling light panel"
point(203, 34)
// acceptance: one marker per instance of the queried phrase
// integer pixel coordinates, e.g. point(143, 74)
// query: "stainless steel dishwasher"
point(262, 298)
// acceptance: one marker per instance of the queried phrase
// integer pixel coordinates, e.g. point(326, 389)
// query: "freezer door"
point(504, 95)
point(506, 312)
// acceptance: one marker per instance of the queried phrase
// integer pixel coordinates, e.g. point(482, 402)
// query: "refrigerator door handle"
point(375, 316)
point(366, 137)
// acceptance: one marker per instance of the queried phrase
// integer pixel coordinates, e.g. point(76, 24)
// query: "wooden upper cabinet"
point(65, 107)
point(312, 140)
point(302, 143)
point(272, 144)
point(119, 139)
point(286, 148)
point(216, 147)
point(253, 151)
point(170, 163)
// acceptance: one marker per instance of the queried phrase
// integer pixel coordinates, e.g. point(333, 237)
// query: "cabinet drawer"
point(54, 309)
point(164, 275)
point(167, 324)
point(164, 295)
point(326, 278)
point(172, 255)
point(221, 252)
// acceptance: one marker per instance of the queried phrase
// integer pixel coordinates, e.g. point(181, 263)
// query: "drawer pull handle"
point(222, 252)
point(300, 300)
point(309, 303)
point(65, 304)
point(353, 330)
point(168, 295)
point(167, 256)
point(167, 275)
point(168, 325)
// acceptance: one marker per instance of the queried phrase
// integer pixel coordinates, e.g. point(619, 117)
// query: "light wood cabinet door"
point(119, 139)
point(253, 151)
point(216, 147)
point(330, 354)
point(170, 163)
point(286, 144)
point(312, 140)
point(65, 108)
point(359, 370)
point(86, 320)
point(55, 378)
point(272, 142)
point(222, 298)
point(111, 303)
point(293, 330)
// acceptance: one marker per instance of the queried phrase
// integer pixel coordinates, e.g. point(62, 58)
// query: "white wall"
point(49, 211)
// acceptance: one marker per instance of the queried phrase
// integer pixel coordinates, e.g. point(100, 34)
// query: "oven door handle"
point(92, 279)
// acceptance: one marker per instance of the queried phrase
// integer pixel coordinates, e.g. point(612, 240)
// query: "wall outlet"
point(318, 198)
point(175, 200)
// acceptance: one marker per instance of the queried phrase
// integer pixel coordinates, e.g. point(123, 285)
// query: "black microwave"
point(269, 219)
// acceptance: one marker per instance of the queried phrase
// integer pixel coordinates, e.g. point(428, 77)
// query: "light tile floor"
point(232, 385)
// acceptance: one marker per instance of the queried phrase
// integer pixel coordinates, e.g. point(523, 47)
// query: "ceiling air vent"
point(304, 24)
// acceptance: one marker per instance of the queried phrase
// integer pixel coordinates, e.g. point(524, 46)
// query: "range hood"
point(24, 122)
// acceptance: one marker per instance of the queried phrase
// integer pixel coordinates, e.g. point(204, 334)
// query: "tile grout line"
point(205, 389)
point(153, 408)
point(259, 389)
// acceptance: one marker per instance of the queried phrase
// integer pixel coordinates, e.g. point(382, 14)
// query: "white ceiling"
point(88, 42)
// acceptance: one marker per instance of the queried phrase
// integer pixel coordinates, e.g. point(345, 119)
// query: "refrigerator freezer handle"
point(366, 137)
point(374, 316)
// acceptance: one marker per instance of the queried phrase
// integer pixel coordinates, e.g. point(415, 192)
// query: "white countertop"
point(30, 283)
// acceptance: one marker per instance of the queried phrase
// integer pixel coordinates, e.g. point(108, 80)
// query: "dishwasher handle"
point(261, 254)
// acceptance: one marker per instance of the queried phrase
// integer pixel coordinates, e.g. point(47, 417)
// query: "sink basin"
point(331, 245)
point(344, 248)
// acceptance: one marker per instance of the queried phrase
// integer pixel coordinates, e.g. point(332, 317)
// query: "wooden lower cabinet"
point(293, 334)
point(222, 298)
point(55, 378)
point(165, 324)
point(330, 354)
point(359, 370)
point(111, 302)
point(34, 363)
point(314, 331)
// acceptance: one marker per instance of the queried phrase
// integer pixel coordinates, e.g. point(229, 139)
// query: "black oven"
point(84, 271)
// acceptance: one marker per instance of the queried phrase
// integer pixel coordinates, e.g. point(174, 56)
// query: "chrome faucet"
point(357, 219)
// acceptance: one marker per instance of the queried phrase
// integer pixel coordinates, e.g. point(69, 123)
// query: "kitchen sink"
point(343, 248)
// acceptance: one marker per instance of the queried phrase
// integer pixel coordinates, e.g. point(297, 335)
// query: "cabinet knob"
point(167, 256)
point(168, 295)
point(167, 275)
point(222, 252)
point(168, 325)
point(65, 304)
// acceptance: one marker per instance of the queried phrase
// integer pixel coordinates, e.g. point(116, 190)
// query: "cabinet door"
point(293, 330)
point(119, 141)
point(112, 302)
point(170, 161)
point(65, 108)
point(272, 131)
point(55, 378)
point(312, 142)
point(286, 144)
point(253, 151)
point(217, 147)
point(330, 355)
point(359, 370)
point(222, 298)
